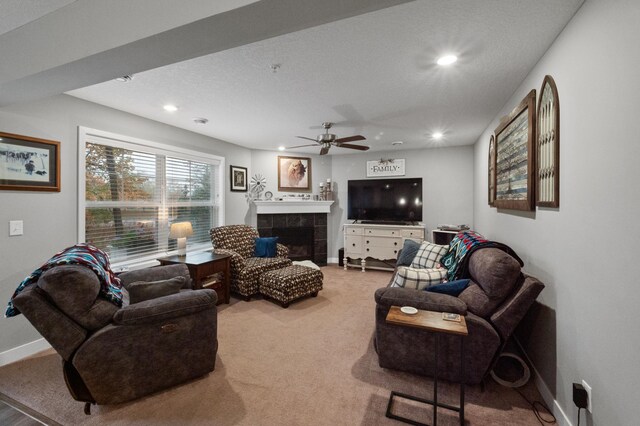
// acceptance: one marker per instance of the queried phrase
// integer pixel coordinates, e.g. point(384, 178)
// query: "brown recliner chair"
point(498, 297)
point(112, 355)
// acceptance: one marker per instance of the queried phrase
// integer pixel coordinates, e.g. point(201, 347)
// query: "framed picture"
point(515, 157)
point(548, 146)
point(29, 164)
point(492, 172)
point(238, 178)
point(294, 174)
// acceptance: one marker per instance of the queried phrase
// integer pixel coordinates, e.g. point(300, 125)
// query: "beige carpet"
point(310, 364)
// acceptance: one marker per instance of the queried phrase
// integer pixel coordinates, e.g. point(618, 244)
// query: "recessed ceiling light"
point(397, 143)
point(170, 108)
point(437, 135)
point(125, 78)
point(281, 148)
point(200, 120)
point(447, 59)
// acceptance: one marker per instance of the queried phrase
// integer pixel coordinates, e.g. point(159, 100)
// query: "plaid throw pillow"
point(429, 255)
point(418, 279)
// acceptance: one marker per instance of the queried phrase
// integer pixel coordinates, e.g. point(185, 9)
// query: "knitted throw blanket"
point(80, 254)
point(459, 247)
point(456, 259)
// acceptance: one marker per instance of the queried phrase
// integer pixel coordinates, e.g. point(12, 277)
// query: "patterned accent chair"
point(240, 242)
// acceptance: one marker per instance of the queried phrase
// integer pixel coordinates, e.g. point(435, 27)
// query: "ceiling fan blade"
point(324, 150)
point(304, 137)
point(351, 139)
point(358, 147)
point(300, 146)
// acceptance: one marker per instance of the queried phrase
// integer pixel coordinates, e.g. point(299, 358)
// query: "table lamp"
point(181, 231)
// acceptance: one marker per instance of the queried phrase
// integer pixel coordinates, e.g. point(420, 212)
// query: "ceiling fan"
point(327, 139)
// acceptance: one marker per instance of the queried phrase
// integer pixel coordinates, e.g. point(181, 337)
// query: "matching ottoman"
point(290, 283)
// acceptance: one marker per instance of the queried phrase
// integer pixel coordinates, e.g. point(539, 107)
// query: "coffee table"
point(433, 322)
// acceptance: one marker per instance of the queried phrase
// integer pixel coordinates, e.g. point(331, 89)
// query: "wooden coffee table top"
point(427, 320)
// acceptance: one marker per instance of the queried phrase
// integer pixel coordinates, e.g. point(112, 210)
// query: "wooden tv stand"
point(380, 242)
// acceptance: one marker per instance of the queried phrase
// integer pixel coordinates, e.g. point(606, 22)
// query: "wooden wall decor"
point(548, 146)
point(492, 172)
point(515, 157)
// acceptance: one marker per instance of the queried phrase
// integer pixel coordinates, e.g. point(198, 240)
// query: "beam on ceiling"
point(26, 75)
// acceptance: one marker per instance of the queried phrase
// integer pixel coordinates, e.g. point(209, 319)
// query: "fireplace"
point(299, 241)
point(304, 234)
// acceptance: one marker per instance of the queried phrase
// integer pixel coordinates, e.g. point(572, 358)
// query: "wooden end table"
point(202, 266)
point(430, 321)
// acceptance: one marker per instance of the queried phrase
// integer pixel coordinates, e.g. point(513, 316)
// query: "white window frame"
point(88, 135)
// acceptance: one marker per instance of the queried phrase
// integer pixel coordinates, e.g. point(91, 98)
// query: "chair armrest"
point(237, 261)
point(163, 308)
point(420, 299)
point(282, 250)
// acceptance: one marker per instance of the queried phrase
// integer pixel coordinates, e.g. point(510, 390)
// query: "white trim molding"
point(549, 400)
point(23, 351)
point(284, 207)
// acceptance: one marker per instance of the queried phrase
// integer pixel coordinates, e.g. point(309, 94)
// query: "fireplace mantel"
point(286, 207)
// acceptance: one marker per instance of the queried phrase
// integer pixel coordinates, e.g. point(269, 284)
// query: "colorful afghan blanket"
point(458, 248)
point(456, 260)
point(80, 254)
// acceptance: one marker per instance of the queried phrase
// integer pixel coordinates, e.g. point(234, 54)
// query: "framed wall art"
point(294, 173)
point(386, 167)
point(548, 146)
point(29, 164)
point(515, 157)
point(492, 172)
point(238, 178)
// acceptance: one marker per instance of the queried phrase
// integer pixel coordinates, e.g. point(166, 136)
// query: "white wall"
point(586, 251)
point(50, 219)
point(447, 185)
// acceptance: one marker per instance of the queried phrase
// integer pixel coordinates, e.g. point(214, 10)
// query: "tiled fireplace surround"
point(318, 221)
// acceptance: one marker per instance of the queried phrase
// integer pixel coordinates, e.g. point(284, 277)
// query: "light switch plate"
point(15, 228)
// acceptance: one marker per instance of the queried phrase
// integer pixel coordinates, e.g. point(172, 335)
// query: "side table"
point(430, 321)
point(202, 266)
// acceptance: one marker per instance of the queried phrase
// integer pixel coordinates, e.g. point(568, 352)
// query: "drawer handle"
point(395, 251)
point(395, 244)
point(354, 244)
point(367, 241)
point(367, 249)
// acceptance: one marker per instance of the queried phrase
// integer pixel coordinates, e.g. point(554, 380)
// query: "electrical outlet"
point(588, 389)
point(15, 228)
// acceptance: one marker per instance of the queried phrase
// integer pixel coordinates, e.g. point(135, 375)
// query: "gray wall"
point(50, 219)
point(585, 251)
point(447, 186)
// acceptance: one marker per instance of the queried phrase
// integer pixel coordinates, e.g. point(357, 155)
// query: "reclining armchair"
point(498, 297)
point(111, 354)
point(239, 241)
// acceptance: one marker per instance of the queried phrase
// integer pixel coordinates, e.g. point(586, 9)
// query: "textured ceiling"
point(374, 74)
point(16, 13)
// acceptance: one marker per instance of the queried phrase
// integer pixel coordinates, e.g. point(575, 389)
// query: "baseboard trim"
point(23, 351)
point(550, 401)
point(332, 260)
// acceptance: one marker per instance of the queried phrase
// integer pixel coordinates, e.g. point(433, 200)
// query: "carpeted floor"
point(310, 364)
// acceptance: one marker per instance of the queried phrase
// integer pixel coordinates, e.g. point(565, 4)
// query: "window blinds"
point(132, 198)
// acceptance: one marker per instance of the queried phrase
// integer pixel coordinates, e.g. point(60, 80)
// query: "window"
point(134, 190)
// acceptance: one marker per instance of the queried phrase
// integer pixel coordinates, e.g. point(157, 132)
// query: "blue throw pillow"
point(452, 288)
point(409, 251)
point(266, 247)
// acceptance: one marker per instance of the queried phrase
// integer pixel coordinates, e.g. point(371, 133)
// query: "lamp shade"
point(181, 230)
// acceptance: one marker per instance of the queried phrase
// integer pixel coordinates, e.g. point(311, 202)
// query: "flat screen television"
point(385, 200)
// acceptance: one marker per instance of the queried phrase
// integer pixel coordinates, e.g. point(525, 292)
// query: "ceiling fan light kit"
point(326, 140)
